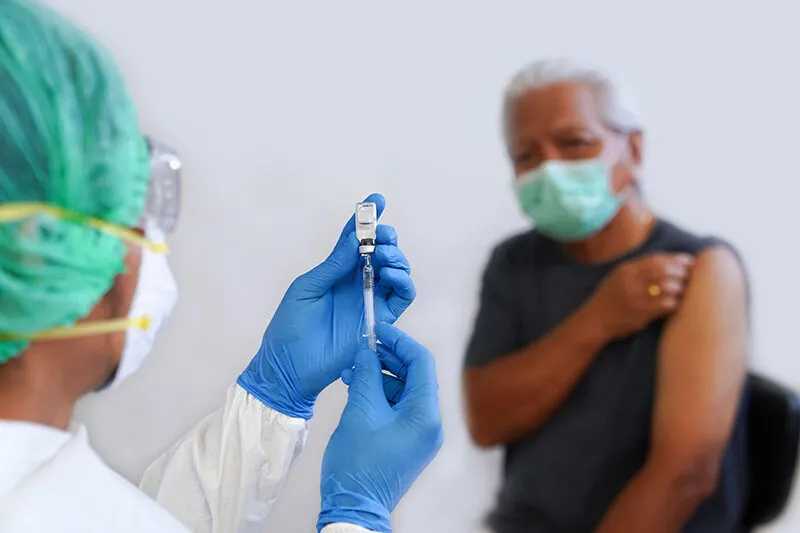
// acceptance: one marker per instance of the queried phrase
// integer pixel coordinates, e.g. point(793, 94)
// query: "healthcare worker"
point(85, 203)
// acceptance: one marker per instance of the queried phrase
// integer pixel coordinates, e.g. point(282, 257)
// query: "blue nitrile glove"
point(390, 430)
point(320, 321)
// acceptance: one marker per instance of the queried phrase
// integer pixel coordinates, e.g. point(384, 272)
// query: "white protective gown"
point(222, 477)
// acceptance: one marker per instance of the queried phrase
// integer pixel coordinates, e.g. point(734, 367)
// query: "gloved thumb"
point(366, 382)
point(342, 261)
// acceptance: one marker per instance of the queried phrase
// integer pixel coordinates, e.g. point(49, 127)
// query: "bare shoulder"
point(718, 267)
point(717, 286)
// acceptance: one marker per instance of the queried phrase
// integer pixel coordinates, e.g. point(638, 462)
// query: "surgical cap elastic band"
point(21, 211)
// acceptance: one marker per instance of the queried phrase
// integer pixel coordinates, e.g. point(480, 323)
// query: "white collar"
point(25, 446)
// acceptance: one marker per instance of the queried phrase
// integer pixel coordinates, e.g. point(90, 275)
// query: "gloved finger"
point(393, 388)
point(342, 261)
point(366, 383)
point(347, 375)
point(421, 367)
point(391, 362)
point(350, 227)
point(386, 234)
point(387, 255)
point(397, 290)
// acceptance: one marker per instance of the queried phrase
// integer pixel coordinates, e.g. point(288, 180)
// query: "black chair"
point(774, 438)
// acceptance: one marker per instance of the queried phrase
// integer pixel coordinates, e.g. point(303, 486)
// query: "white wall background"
point(287, 113)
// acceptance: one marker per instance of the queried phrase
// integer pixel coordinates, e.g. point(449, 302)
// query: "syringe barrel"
point(369, 303)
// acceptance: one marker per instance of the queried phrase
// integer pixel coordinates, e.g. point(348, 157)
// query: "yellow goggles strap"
point(22, 211)
point(98, 327)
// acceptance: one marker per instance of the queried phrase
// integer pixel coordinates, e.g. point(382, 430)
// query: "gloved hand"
point(320, 321)
point(391, 428)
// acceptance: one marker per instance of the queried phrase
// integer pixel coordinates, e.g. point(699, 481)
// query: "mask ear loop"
point(625, 194)
point(99, 327)
point(21, 211)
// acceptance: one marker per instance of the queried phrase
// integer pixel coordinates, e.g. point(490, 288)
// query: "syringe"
point(366, 232)
point(369, 302)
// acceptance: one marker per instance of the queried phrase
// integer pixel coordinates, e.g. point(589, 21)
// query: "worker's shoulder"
point(519, 249)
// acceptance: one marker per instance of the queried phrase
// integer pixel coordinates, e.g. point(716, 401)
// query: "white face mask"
point(155, 297)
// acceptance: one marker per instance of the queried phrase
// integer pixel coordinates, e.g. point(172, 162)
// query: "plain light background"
point(288, 113)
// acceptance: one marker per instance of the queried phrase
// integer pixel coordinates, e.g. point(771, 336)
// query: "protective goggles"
point(162, 208)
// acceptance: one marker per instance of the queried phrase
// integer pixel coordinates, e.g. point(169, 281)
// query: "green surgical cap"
point(69, 137)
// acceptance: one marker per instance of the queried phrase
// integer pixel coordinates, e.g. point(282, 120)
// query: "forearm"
point(227, 472)
point(514, 395)
point(659, 499)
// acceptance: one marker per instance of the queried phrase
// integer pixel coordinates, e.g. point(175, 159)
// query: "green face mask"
point(569, 200)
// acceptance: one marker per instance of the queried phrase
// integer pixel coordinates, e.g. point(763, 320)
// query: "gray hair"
point(619, 108)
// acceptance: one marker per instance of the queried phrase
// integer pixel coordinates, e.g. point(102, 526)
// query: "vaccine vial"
point(366, 226)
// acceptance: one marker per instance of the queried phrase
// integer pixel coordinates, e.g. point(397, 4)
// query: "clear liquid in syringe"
point(369, 303)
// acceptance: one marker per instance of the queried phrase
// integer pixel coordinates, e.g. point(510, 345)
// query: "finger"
point(342, 261)
point(659, 261)
point(350, 226)
point(421, 366)
point(366, 382)
point(677, 265)
point(676, 270)
point(386, 234)
point(396, 289)
point(669, 303)
point(391, 362)
point(347, 376)
point(393, 388)
point(684, 259)
point(347, 373)
point(672, 286)
point(671, 257)
point(387, 255)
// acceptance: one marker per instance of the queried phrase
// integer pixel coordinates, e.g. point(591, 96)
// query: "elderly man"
point(610, 349)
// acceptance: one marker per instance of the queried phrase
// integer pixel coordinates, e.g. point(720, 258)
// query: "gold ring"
point(654, 290)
